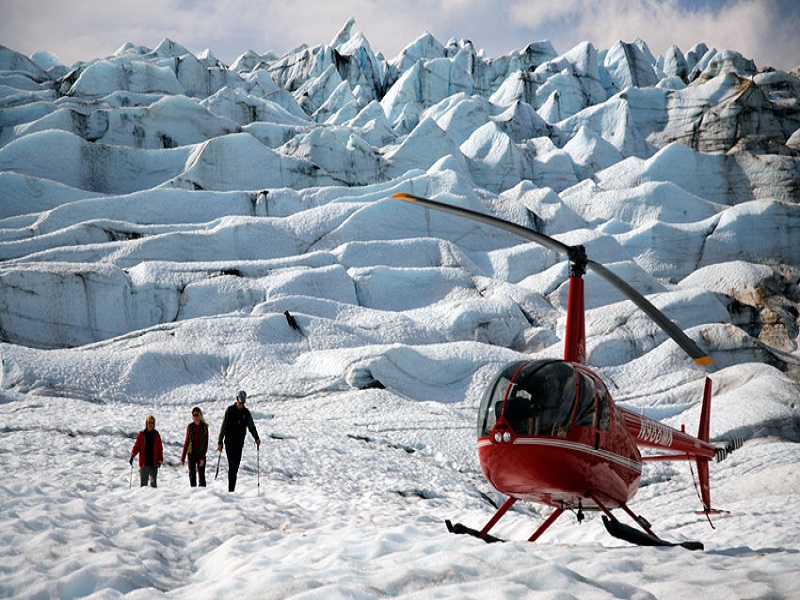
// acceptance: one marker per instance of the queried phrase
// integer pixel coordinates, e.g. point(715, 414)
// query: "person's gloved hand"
point(131, 460)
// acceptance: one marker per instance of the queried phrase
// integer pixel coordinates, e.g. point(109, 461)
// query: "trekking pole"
point(130, 483)
point(258, 462)
point(219, 456)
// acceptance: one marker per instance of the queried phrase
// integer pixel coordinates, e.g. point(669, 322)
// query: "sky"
point(764, 30)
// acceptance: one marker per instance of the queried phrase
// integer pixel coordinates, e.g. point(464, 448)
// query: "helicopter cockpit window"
point(584, 414)
point(542, 399)
point(492, 402)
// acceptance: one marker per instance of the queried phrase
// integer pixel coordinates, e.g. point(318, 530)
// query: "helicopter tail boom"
point(682, 446)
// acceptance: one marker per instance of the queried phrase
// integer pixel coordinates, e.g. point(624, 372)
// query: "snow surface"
point(159, 212)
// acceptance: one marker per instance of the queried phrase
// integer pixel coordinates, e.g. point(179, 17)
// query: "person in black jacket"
point(234, 429)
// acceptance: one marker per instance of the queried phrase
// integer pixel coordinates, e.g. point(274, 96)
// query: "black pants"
point(149, 474)
point(195, 469)
point(234, 454)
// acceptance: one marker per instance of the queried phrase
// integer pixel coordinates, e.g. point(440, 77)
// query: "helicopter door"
point(603, 410)
point(592, 409)
point(586, 406)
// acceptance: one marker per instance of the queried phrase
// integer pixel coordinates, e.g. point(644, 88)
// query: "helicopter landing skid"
point(458, 528)
point(642, 538)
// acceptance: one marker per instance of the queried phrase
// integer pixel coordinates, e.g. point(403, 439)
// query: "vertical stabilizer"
point(705, 413)
point(703, 434)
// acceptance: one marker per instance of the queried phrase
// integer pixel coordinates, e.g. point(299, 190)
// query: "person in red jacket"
point(151, 452)
point(195, 446)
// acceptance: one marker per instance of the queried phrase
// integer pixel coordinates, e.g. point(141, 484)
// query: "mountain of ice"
point(159, 211)
point(593, 126)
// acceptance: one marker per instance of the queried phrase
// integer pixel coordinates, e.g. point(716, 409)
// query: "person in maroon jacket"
point(195, 446)
point(151, 452)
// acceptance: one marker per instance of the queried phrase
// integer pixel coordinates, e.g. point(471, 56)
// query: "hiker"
point(195, 446)
point(151, 452)
point(234, 429)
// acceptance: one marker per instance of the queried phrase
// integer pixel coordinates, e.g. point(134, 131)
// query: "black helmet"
point(241, 396)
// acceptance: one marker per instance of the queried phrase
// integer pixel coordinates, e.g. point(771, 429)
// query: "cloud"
point(541, 13)
point(83, 29)
point(763, 30)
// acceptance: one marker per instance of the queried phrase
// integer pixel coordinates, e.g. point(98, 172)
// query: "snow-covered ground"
point(159, 212)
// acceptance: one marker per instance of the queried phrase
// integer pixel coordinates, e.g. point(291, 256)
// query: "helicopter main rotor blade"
point(575, 253)
point(672, 330)
point(530, 234)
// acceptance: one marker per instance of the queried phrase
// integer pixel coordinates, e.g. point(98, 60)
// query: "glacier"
point(160, 210)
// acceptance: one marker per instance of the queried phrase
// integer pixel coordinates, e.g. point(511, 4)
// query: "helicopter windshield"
point(540, 394)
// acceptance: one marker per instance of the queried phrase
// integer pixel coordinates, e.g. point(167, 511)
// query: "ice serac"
point(674, 64)
point(757, 232)
point(259, 167)
point(695, 55)
point(340, 153)
point(243, 108)
point(373, 126)
point(460, 114)
point(629, 66)
point(60, 305)
point(426, 83)
point(66, 158)
point(520, 122)
point(358, 65)
point(519, 86)
point(424, 146)
point(167, 123)
point(340, 106)
point(251, 61)
point(295, 68)
point(624, 121)
point(314, 92)
point(13, 61)
point(425, 47)
point(743, 117)
point(590, 153)
point(705, 174)
point(350, 57)
point(575, 77)
point(496, 163)
point(200, 80)
point(646, 203)
point(132, 74)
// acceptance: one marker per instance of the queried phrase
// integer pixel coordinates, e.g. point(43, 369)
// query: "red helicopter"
point(549, 431)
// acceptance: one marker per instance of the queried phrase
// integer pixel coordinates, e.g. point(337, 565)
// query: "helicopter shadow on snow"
point(742, 551)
